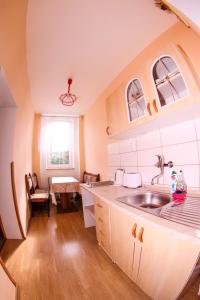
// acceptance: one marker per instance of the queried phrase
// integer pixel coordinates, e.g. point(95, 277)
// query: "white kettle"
point(119, 176)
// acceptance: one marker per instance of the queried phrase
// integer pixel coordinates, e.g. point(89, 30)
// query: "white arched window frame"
point(168, 80)
point(135, 100)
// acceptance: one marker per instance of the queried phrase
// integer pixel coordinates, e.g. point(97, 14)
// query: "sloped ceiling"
point(90, 41)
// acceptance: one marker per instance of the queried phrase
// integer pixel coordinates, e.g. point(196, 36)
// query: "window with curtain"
point(58, 142)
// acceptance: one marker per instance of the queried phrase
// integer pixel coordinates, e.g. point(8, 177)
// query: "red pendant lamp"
point(68, 98)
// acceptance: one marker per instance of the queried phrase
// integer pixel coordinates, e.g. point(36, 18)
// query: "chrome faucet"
point(161, 164)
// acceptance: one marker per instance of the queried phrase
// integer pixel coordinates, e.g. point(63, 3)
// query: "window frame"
point(154, 84)
point(48, 165)
point(126, 99)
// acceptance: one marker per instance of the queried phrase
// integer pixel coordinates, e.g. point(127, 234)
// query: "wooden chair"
point(36, 199)
point(90, 177)
point(35, 184)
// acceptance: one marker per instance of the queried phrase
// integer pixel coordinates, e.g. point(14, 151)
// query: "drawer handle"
point(155, 105)
point(99, 205)
point(134, 230)
point(149, 108)
point(100, 220)
point(140, 235)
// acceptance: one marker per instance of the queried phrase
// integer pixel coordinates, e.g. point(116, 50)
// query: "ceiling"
point(90, 41)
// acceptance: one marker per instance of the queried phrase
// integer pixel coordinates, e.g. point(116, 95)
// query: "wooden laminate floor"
point(60, 259)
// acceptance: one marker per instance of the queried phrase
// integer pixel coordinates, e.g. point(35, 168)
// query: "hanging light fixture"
point(68, 99)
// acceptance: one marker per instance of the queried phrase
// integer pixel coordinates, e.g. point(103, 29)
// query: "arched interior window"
point(135, 100)
point(168, 80)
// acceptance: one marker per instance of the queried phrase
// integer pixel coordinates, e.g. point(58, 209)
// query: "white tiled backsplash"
point(179, 143)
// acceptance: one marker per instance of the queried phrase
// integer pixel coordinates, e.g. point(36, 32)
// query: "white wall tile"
point(114, 160)
point(128, 145)
point(148, 173)
point(111, 173)
point(113, 148)
point(182, 154)
point(149, 140)
point(125, 146)
point(130, 169)
point(148, 157)
point(197, 125)
point(179, 133)
point(129, 159)
point(134, 144)
point(191, 175)
point(177, 143)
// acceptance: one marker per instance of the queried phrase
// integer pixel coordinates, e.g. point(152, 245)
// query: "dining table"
point(66, 187)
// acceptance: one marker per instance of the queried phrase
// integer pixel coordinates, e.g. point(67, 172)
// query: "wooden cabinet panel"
point(141, 68)
point(174, 257)
point(102, 224)
point(116, 111)
point(159, 260)
point(122, 240)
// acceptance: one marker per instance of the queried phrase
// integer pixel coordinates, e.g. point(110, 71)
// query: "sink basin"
point(146, 200)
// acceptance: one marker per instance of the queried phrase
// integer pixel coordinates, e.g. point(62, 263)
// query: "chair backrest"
point(35, 181)
point(89, 177)
point(29, 185)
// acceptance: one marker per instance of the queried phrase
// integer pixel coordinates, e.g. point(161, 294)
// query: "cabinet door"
point(167, 261)
point(117, 119)
point(102, 224)
point(123, 240)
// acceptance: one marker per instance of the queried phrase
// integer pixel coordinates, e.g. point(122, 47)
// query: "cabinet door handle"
point(134, 230)
point(99, 205)
point(155, 105)
point(149, 108)
point(140, 235)
point(108, 130)
point(100, 220)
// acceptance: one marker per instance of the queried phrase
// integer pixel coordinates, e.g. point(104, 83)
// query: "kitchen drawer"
point(101, 209)
point(103, 237)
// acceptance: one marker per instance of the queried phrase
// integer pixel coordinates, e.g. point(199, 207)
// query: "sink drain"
point(150, 206)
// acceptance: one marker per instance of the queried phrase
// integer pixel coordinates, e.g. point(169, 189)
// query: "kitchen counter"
point(110, 193)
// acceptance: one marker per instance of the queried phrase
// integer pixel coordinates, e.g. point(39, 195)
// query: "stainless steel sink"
point(146, 201)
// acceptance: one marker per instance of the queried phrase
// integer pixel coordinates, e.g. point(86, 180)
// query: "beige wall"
point(95, 121)
point(13, 61)
point(95, 139)
point(7, 286)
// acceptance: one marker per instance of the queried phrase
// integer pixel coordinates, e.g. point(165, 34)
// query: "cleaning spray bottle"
point(181, 188)
point(173, 182)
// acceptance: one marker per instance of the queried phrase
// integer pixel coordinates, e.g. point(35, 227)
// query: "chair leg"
point(32, 215)
point(48, 204)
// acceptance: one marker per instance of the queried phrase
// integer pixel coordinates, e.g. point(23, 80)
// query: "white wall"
point(7, 209)
point(179, 143)
point(7, 288)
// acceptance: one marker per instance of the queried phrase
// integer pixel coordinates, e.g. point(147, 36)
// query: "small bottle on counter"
point(181, 188)
point(173, 182)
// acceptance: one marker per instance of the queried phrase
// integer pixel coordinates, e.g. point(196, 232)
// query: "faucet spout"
point(161, 164)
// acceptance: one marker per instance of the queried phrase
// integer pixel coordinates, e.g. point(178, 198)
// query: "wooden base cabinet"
point(102, 216)
point(159, 260)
